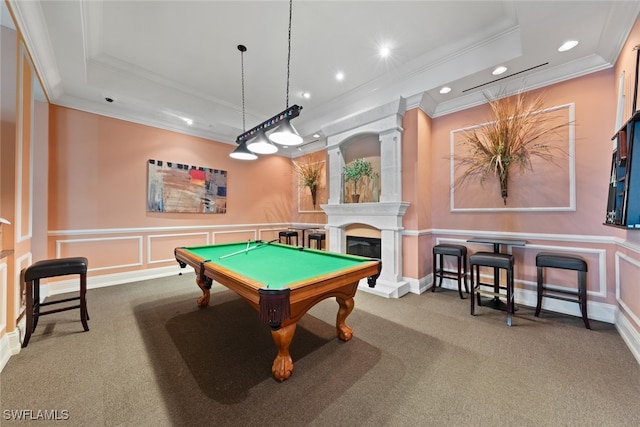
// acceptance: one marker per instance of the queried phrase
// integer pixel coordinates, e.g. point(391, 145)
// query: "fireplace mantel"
point(386, 217)
point(379, 215)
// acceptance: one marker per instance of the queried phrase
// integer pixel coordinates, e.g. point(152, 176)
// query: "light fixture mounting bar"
point(290, 113)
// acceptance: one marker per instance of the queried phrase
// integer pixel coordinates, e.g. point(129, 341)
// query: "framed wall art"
point(176, 187)
point(547, 185)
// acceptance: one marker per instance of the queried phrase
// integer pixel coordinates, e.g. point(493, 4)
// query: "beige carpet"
point(152, 358)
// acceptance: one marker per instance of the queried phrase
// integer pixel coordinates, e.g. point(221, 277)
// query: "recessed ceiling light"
point(306, 95)
point(445, 89)
point(187, 120)
point(384, 51)
point(316, 135)
point(499, 70)
point(339, 76)
point(568, 45)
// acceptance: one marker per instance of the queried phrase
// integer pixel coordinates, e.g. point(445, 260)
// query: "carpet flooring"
point(153, 358)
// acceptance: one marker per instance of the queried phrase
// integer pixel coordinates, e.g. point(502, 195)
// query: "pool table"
point(282, 283)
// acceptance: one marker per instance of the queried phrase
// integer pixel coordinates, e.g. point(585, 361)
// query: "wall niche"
point(365, 147)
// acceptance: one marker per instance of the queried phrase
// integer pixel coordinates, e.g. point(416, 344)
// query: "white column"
point(336, 239)
point(391, 255)
point(336, 164)
point(391, 165)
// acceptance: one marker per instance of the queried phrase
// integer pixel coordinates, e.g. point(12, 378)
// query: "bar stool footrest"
point(58, 310)
point(43, 304)
point(561, 297)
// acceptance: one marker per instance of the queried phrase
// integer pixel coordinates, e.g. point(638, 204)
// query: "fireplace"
point(384, 215)
point(364, 246)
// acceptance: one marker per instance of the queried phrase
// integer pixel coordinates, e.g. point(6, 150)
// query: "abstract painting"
point(176, 187)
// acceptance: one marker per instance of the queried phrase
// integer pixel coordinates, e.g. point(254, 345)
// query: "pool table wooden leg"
point(282, 367)
point(203, 301)
point(346, 307)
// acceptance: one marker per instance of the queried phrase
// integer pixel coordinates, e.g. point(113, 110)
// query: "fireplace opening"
point(364, 246)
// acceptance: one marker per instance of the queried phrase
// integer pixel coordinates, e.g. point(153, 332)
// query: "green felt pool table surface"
point(273, 265)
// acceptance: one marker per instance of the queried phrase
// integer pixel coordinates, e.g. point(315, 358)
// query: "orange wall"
point(417, 188)
point(98, 170)
point(594, 118)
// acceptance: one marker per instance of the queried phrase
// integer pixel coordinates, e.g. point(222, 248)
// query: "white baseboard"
point(384, 288)
point(419, 286)
point(11, 343)
point(71, 285)
point(595, 310)
point(629, 334)
point(5, 351)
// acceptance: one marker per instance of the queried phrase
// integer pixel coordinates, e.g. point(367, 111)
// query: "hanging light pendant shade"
point(242, 153)
point(286, 134)
point(261, 144)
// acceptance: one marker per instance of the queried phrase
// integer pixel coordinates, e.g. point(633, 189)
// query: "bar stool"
point(52, 268)
point(287, 235)
point(458, 251)
point(496, 261)
point(318, 237)
point(566, 262)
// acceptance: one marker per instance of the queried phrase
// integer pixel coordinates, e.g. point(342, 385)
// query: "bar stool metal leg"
point(29, 327)
point(84, 316)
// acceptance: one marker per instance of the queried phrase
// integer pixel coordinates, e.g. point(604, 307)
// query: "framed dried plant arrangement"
point(520, 133)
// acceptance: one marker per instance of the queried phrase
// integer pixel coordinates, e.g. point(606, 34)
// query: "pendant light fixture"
point(261, 144)
point(255, 140)
point(241, 152)
point(285, 133)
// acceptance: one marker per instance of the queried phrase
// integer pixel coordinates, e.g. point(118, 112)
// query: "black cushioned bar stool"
point(287, 235)
point(53, 268)
point(458, 251)
point(496, 261)
point(317, 237)
point(566, 262)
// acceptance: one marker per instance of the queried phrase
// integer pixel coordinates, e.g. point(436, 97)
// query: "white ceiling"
point(161, 61)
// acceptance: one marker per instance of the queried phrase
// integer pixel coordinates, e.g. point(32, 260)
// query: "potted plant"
point(354, 171)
